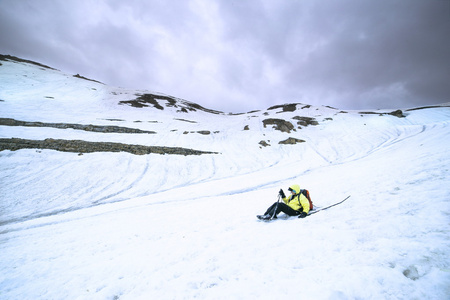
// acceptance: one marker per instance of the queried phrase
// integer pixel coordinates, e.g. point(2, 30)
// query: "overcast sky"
point(238, 55)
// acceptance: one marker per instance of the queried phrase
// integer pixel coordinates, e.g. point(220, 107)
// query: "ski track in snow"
point(121, 226)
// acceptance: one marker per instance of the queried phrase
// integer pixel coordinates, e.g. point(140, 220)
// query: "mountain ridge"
point(36, 95)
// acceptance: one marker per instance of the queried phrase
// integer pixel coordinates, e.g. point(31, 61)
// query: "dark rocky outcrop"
point(426, 107)
point(84, 78)
point(189, 121)
point(204, 132)
point(90, 127)
point(397, 113)
point(264, 143)
point(286, 107)
point(282, 125)
point(79, 146)
point(195, 106)
point(305, 121)
point(17, 59)
point(291, 141)
point(146, 100)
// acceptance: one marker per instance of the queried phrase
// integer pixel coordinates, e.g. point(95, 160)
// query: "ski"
point(262, 218)
point(266, 220)
point(316, 211)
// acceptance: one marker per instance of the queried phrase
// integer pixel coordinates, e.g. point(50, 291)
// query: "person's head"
point(294, 189)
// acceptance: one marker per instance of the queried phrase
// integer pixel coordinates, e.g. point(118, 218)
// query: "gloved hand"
point(281, 193)
point(302, 215)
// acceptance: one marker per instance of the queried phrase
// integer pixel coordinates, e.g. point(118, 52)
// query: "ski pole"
point(276, 208)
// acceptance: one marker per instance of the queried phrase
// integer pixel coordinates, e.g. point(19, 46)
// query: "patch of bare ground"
point(81, 147)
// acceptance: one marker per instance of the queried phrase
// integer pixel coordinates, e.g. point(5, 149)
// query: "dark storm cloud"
point(353, 53)
point(243, 55)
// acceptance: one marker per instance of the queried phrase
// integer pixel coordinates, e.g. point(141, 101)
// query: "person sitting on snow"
point(295, 204)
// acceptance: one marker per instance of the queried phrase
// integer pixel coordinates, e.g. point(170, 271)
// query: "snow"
point(123, 226)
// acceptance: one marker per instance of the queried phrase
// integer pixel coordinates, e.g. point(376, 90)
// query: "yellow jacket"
point(297, 201)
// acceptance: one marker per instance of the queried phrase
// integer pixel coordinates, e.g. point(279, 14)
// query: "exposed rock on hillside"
point(93, 128)
point(78, 146)
point(286, 107)
point(264, 143)
point(204, 132)
point(291, 141)
point(305, 121)
point(397, 113)
point(17, 59)
point(431, 106)
point(188, 121)
point(289, 107)
point(282, 125)
point(146, 100)
point(82, 77)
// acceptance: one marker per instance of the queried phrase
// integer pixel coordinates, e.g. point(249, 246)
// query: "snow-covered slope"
point(107, 225)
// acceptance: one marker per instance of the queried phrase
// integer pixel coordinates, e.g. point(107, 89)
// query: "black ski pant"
point(278, 207)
